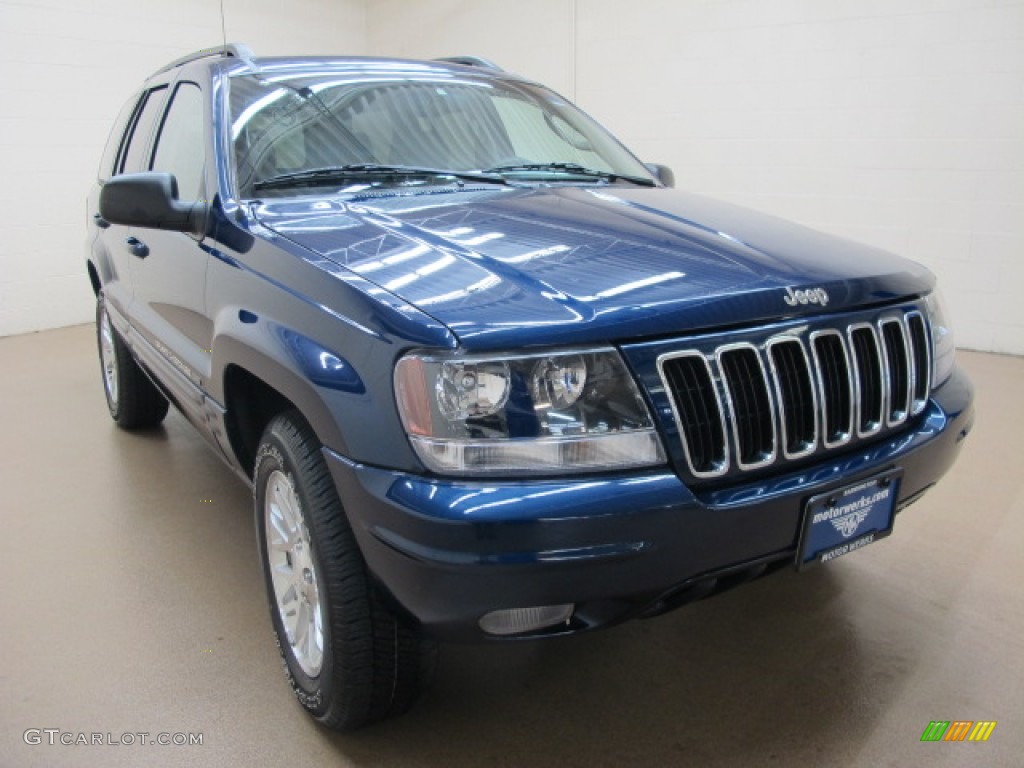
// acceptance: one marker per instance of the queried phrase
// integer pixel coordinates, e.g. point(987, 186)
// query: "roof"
point(244, 54)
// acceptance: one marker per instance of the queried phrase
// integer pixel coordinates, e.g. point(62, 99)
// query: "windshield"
point(326, 128)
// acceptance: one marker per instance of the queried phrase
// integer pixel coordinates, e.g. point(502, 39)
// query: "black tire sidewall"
point(314, 694)
point(118, 346)
point(140, 403)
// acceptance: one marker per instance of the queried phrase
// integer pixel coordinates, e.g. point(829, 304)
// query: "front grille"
point(921, 378)
point(750, 405)
point(894, 338)
point(867, 367)
point(835, 385)
point(741, 406)
point(700, 413)
point(795, 393)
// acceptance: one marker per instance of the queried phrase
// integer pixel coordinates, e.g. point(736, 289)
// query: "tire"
point(133, 400)
point(349, 658)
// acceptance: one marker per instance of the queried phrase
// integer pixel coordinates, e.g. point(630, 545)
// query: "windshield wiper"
point(574, 169)
point(318, 176)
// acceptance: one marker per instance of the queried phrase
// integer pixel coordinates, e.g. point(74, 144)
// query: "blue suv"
point(488, 375)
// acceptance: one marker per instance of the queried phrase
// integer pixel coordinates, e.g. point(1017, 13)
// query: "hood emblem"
point(808, 296)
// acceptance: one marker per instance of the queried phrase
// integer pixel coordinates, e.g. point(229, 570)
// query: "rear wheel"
point(349, 657)
point(133, 400)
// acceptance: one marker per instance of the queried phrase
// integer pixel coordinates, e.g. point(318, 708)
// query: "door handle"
point(136, 247)
point(99, 221)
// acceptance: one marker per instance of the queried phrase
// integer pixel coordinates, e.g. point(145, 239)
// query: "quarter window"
point(134, 148)
point(116, 139)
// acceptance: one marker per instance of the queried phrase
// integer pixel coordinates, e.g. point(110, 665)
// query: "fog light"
point(515, 621)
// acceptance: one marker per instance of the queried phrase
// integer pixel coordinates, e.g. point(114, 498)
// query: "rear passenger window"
point(116, 138)
point(179, 147)
point(133, 151)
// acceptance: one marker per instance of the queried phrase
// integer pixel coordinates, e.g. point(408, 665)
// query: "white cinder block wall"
point(896, 122)
point(67, 67)
point(899, 123)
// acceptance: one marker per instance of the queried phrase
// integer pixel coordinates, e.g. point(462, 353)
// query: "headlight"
point(943, 346)
point(550, 413)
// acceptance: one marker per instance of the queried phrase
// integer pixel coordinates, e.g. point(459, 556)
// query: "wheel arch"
point(250, 405)
point(255, 389)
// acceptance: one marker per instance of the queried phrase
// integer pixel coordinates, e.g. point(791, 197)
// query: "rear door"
point(126, 151)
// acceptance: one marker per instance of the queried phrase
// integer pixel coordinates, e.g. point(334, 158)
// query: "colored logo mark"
point(958, 730)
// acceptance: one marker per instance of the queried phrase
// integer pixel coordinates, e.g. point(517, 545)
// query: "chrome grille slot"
point(698, 412)
point(867, 379)
point(922, 371)
point(897, 360)
point(746, 405)
point(835, 385)
point(750, 405)
point(794, 391)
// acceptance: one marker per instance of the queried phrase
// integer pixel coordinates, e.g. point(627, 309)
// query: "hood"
point(507, 267)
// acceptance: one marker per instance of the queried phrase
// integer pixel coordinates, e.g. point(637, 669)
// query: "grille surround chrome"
point(918, 403)
point(723, 466)
point(812, 445)
point(846, 434)
point(894, 415)
point(770, 455)
point(856, 374)
point(833, 339)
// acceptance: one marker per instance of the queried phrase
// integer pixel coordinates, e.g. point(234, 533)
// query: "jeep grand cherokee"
point(489, 375)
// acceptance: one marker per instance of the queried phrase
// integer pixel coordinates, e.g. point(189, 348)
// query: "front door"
point(169, 268)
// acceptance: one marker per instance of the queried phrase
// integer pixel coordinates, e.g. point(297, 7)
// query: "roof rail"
point(471, 61)
point(231, 49)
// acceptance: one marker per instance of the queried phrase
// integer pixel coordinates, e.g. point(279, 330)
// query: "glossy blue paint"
point(627, 539)
point(321, 366)
point(506, 267)
point(490, 502)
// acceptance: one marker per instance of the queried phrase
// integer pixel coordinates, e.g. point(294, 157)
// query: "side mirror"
point(150, 200)
point(663, 173)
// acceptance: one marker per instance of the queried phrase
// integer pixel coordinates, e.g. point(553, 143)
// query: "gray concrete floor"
point(130, 601)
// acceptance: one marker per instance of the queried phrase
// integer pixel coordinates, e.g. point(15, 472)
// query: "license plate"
point(847, 519)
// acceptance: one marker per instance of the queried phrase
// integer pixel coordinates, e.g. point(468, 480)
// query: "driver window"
point(180, 148)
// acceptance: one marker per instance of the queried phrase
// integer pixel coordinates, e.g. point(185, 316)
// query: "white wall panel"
point(67, 67)
point(534, 38)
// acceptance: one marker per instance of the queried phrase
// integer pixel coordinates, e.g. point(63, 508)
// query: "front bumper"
point(616, 546)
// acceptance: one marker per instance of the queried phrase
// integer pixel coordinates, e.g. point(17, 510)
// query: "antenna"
point(223, 27)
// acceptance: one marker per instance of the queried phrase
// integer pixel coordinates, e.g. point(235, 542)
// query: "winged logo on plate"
point(849, 523)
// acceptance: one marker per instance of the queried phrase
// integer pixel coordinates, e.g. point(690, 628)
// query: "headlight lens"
point(942, 338)
point(551, 413)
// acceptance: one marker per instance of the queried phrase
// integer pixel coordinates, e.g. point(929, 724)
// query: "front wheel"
point(349, 658)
